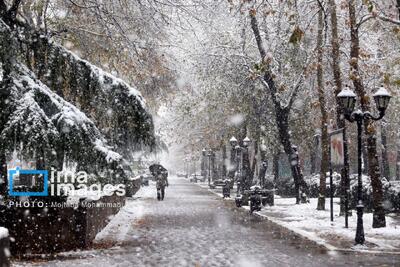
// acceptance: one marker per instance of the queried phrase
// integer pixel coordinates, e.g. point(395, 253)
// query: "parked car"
point(194, 178)
point(181, 174)
point(222, 183)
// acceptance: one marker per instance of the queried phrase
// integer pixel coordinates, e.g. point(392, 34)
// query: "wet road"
point(193, 227)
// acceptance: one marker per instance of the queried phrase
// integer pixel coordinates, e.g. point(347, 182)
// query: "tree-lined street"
point(194, 227)
point(287, 111)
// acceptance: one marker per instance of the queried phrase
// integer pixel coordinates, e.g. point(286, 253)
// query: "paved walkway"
point(193, 227)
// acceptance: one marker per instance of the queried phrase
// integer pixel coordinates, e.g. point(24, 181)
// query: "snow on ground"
point(306, 220)
point(191, 227)
point(315, 225)
point(117, 230)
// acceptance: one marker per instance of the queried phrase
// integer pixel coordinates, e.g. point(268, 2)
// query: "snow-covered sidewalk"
point(315, 225)
point(117, 231)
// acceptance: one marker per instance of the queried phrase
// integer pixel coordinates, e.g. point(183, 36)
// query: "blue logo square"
point(45, 175)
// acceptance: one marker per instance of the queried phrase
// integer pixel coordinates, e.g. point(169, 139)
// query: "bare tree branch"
point(380, 17)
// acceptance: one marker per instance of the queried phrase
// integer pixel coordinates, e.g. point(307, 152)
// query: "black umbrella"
point(156, 168)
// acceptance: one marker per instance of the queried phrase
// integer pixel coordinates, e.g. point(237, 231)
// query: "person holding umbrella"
point(161, 176)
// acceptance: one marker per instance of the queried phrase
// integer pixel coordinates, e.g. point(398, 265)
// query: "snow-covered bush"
point(391, 193)
point(42, 122)
point(118, 109)
point(391, 190)
point(85, 115)
point(286, 187)
point(313, 182)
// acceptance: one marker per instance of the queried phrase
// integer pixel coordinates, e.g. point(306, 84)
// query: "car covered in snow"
point(194, 178)
point(181, 174)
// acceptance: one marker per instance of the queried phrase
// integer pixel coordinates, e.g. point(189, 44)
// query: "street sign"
point(336, 148)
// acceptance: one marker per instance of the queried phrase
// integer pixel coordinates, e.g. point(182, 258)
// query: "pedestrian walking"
point(161, 177)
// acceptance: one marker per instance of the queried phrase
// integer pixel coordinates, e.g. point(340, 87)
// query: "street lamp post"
point(242, 155)
point(264, 165)
point(246, 163)
point(347, 99)
point(210, 152)
point(203, 162)
point(239, 157)
point(233, 142)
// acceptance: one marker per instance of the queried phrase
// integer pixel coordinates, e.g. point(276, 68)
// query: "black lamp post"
point(246, 163)
point(241, 153)
point(233, 142)
point(347, 99)
point(203, 162)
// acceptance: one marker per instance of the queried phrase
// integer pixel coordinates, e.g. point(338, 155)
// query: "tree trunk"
point(246, 170)
point(373, 164)
point(263, 167)
point(324, 116)
point(281, 114)
point(314, 154)
point(275, 167)
point(254, 164)
point(224, 172)
point(365, 156)
point(398, 160)
point(282, 122)
point(385, 161)
point(213, 170)
point(398, 7)
point(203, 164)
point(340, 121)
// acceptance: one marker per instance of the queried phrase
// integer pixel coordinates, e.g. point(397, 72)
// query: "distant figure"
point(161, 176)
point(161, 183)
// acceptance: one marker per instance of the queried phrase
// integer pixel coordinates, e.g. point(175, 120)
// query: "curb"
point(304, 235)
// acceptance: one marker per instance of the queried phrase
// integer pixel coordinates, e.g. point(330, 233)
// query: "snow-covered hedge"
point(40, 121)
point(286, 187)
point(87, 117)
point(391, 190)
point(117, 108)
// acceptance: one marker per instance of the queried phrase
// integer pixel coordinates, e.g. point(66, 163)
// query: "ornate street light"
point(233, 141)
point(246, 142)
point(347, 100)
point(382, 99)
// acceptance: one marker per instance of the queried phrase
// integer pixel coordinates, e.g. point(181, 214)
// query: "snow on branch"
point(117, 109)
point(380, 17)
point(43, 121)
